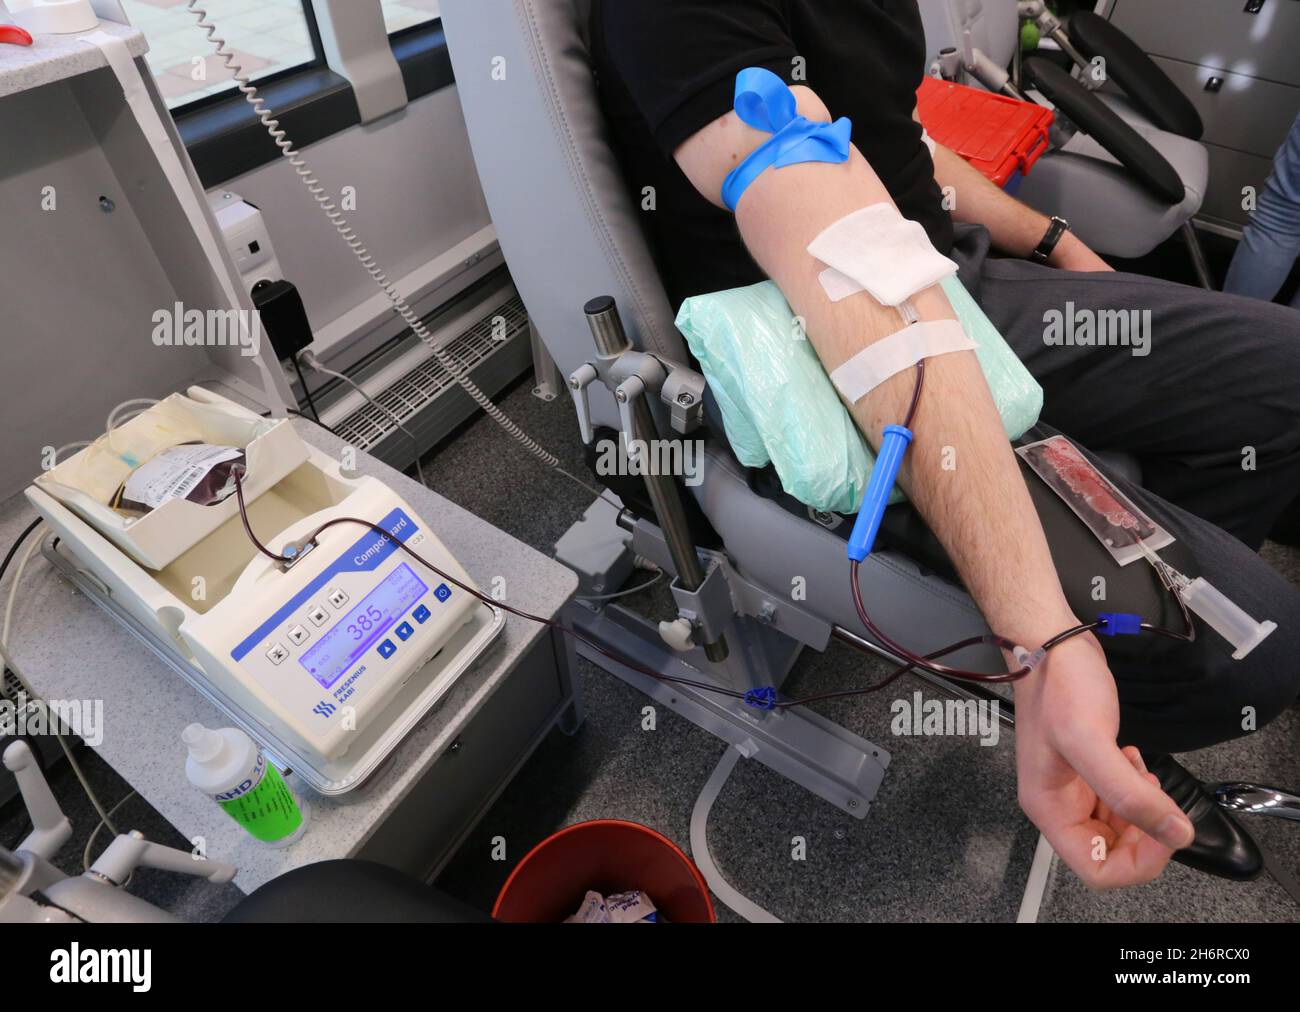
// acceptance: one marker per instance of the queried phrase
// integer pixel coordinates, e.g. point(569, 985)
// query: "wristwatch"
point(1055, 230)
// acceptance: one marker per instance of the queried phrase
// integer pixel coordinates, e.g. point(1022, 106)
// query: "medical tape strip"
point(891, 355)
point(765, 102)
point(146, 115)
point(877, 250)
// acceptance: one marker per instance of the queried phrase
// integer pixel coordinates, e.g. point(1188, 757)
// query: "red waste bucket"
point(609, 856)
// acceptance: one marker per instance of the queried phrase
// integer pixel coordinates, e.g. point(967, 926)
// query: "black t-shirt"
point(667, 68)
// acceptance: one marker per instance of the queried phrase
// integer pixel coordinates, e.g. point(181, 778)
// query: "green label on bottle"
point(263, 804)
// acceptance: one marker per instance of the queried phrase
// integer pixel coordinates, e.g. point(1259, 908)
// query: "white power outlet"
point(246, 236)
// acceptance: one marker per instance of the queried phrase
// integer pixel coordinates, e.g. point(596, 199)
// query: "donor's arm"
point(1086, 795)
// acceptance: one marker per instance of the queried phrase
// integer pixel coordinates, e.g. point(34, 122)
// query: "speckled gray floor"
point(944, 841)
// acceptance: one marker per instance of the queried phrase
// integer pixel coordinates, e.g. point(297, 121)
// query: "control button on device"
point(421, 614)
point(318, 615)
point(404, 631)
point(338, 598)
point(443, 592)
point(298, 635)
point(387, 649)
point(277, 653)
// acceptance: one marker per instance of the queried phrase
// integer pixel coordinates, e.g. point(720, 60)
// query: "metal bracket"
point(633, 365)
point(679, 387)
point(774, 610)
point(710, 608)
point(683, 392)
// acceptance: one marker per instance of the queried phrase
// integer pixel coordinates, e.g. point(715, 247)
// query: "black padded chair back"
point(1149, 87)
point(1091, 115)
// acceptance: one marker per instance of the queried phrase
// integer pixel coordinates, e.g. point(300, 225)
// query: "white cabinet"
point(1239, 63)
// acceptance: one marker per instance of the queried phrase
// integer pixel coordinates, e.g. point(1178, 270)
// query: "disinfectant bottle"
point(228, 766)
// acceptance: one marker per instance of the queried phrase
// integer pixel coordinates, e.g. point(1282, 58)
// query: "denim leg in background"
point(1271, 241)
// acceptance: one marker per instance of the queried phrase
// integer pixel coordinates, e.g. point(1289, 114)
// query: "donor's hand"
point(1096, 804)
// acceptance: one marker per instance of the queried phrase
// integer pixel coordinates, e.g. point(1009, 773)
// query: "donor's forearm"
point(961, 473)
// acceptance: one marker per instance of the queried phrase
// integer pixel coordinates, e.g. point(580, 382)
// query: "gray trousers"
point(1212, 414)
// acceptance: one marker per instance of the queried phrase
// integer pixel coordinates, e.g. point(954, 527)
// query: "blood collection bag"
point(1106, 511)
point(199, 472)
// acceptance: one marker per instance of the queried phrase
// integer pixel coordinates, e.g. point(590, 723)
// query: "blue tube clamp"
point(1119, 624)
point(889, 458)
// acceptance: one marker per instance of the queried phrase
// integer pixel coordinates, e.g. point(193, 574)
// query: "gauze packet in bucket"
point(1105, 510)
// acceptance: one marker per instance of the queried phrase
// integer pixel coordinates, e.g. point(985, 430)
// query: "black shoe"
point(1221, 847)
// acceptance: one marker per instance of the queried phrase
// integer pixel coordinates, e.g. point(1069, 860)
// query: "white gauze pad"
point(891, 355)
point(879, 251)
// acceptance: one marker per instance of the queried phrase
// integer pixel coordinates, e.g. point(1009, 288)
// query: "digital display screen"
point(361, 628)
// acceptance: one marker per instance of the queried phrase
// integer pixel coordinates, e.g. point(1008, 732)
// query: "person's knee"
point(1179, 697)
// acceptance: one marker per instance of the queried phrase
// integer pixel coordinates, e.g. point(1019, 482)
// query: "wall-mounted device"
point(246, 235)
point(284, 317)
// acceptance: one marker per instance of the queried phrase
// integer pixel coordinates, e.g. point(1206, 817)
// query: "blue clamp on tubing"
point(1119, 624)
point(765, 102)
point(761, 699)
point(889, 458)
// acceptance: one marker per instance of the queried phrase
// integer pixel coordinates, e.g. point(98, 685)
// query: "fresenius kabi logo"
point(178, 327)
point(1099, 328)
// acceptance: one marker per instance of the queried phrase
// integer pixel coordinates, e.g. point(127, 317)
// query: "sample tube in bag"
point(228, 766)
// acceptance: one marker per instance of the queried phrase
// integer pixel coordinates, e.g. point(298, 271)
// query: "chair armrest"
point(1149, 87)
point(1101, 123)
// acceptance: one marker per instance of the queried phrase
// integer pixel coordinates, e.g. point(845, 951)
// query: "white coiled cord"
point(457, 371)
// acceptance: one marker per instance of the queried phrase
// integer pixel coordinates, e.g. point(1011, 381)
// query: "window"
point(400, 14)
point(266, 36)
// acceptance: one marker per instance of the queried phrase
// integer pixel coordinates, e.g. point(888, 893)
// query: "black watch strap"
point(1055, 230)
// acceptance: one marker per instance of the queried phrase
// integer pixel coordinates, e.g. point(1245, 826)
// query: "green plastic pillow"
point(778, 405)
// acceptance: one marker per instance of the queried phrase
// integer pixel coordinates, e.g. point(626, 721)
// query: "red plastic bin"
point(999, 136)
point(609, 856)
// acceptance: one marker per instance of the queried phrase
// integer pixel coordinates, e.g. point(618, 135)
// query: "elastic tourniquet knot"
point(765, 102)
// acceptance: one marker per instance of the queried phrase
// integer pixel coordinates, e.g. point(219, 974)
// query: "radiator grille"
point(417, 389)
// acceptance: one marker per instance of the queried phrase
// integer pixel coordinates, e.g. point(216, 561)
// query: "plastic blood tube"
point(893, 447)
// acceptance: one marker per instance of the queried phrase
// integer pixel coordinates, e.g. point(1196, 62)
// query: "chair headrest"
point(557, 196)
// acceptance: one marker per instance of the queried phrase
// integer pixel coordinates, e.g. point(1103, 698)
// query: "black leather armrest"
point(1100, 122)
point(1149, 87)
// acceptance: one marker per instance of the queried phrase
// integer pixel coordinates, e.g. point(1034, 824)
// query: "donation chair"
point(775, 574)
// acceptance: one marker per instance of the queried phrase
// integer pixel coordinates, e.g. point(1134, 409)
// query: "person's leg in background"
point(1270, 242)
point(1212, 411)
point(1207, 398)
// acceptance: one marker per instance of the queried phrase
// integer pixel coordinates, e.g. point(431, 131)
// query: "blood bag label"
point(1106, 511)
point(175, 472)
